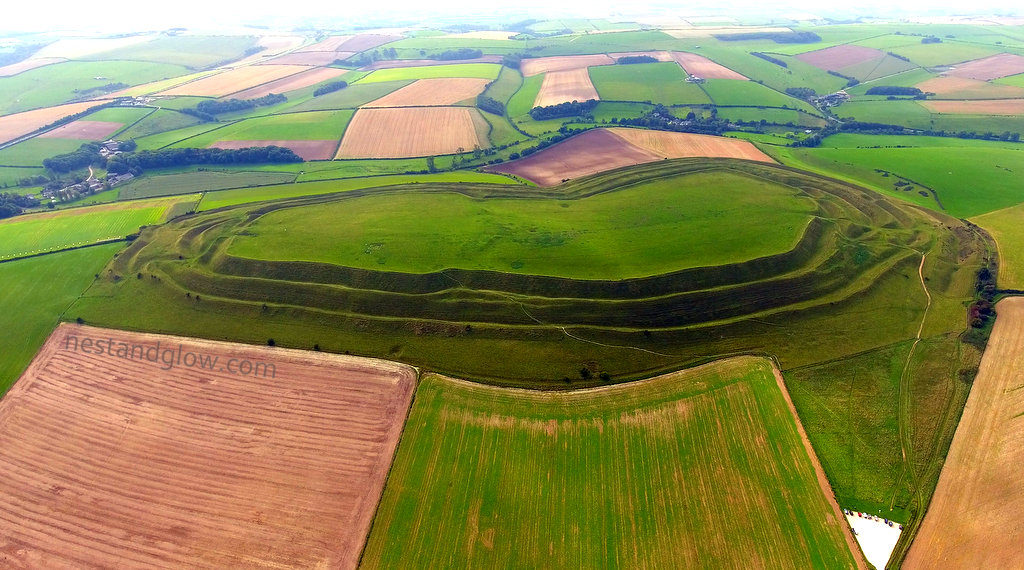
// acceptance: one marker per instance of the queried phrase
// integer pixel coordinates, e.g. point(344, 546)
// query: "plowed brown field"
point(85, 130)
point(992, 67)
point(427, 92)
point(703, 67)
point(976, 517)
point(307, 149)
point(291, 83)
point(408, 132)
point(981, 107)
point(565, 86)
point(598, 150)
point(235, 80)
point(18, 124)
point(116, 462)
point(838, 57)
point(563, 63)
point(332, 43)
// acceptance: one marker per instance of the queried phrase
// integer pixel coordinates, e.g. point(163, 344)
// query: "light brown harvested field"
point(408, 132)
point(308, 58)
point(982, 107)
point(992, 67)
point(439, 91)
point(598, 150)
point(234, 80)
point(332, 43)
point(703, 67)
point(273, 46)
point(397, 63)
point(18, 124)
point(838, 57)
point(976, 516)
point(667, 144)
point(565, 86)
point(363, 42)
point(85, 130)
point(114, 462)
point(658, 55)
point(307, 149)
point(962, 88)
point(563, 63)
point(32, 63)
point(290, 83)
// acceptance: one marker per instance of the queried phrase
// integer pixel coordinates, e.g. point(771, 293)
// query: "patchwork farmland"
point(433, 92)
point(565, 86)
point(243, 456)
point(234, 81)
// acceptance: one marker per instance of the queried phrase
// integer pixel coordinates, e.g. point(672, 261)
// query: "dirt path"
point(826, 487)
point(903, 412)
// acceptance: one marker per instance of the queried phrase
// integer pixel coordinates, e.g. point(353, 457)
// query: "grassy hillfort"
point(572, 292)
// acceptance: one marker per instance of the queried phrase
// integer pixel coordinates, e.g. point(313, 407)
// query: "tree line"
point(13, 204)
point(208, 110)
point(330, 88)
point(569, 109)
point(135, 163)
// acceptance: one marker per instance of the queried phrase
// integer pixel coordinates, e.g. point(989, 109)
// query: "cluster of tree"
point(330, 88)
point(489, 104)
point(208, 109)
point(570, 109)
point(801, 92)
point(661, 118)
point(137, 162)
point(368, 57)
point(627, 59)
point(777, 37)
point(108, 88)
point(13, 204)
point(894, 90)
point(899, 57)
point(512, 60)
point(769, 58)
point(29, 181)
point(850, 81)
point(931, 40)
point(458, 53)
point(86, 154)
point(253, 50)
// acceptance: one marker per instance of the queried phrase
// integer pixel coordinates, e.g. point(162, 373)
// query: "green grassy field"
point(521, 103)
point(36, 233)
point(945, 53)
point(125, 115)
point(352, 96)
point(313, 125)
point(10, 175)
point(35, 293)
point(969, 177)
point(167, 138)
point(649, 229)
point(195, 52)
point(501, 130)
point(54, 84)
point(158, 122)
point(735, 92)
point(154, 185)
point(34, 150)
point(1007, 227)
point(913, 115)
point(481, 70)
point(663, 82)
point(505, 86)
point(610, 477)
point(772, 115)
point(224, 198)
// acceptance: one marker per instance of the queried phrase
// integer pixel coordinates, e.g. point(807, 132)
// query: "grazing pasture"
point(312, 125)
point(663, 83)
point(944, 53)
point(33, 151)
point(433, 92)
point(19, 124)
point(537, 66)
point(409, 131)
point(35, 294)
point(992, 67)
point(279, 465)
point(669, 470)
point(598, 150)
point(291, 83)
point(84, 130)
point(565, 86)
point(154, 185)
point(159, 121)
point(974, 516)
point(703, 67)
point(234, 80)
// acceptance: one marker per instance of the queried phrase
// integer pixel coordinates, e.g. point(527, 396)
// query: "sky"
point(106, 17)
